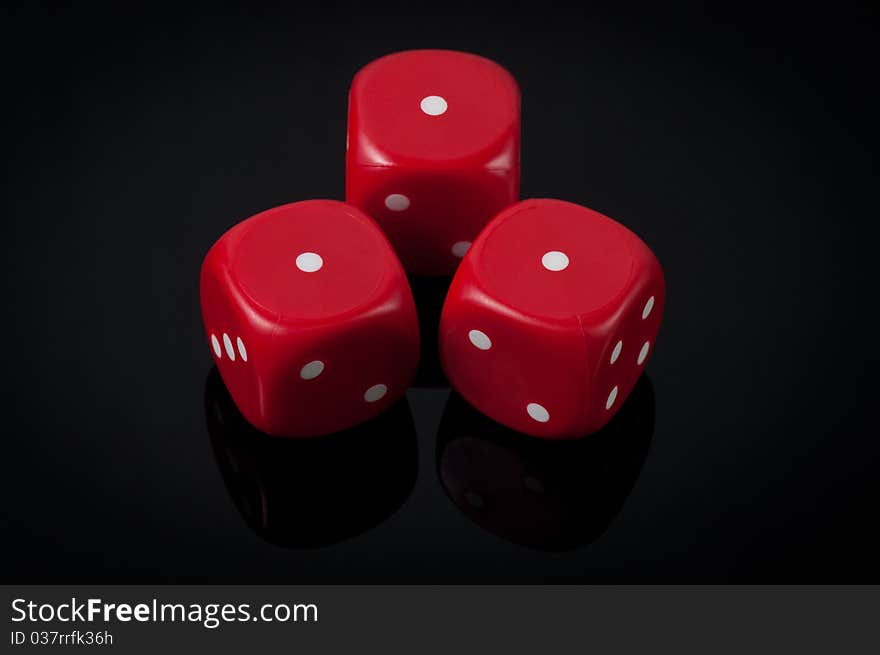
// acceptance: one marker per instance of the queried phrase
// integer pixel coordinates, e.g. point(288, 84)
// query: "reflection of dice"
point(313, 492)
point(550, 495)
point(433, 151)
point(309, 317)
point(551, 318)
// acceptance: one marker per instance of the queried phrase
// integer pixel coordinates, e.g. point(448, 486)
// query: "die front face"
point(551, 318)
point(433, 151)
point(309, 318)
point(507, 363)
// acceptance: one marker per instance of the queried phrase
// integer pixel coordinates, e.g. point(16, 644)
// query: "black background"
point(734, 141)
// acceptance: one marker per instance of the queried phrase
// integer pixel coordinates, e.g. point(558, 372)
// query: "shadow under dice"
point(549, 495)
point(305, 493)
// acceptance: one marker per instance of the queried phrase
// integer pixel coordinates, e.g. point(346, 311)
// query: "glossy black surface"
point(302, 493)
point(553, 496)
point(738, 143)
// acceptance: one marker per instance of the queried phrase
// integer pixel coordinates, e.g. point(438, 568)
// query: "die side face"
point(347, 371)
point(566, 280)
point(232, 337)
point(433, 151)
point(521, 371)
point(431, 218)
point(312, 283)
point(625, 342)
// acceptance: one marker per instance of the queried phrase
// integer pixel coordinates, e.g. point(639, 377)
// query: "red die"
point(309, 317)
point(433, 151)
point(550, 318)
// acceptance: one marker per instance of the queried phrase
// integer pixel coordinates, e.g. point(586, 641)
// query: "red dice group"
point(552, 312)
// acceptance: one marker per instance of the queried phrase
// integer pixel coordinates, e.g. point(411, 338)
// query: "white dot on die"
point(312, 370)
point(460, 248)
point(643, 353)
point(533, 484)
point(648, 307)
point(375, 392)
point(616, 352)
point(397, 202)
point(538, 412)
point(611, 398)
point(241, 349)
point(474, 499)
point(433, 105)
point(227, 343)
point(480, 339)
point(309, 262)
point(555, 260)
point(215, 344)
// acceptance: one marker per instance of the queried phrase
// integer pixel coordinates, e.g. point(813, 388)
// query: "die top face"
point(556, 260)
point(309, 260)
point(424, 108)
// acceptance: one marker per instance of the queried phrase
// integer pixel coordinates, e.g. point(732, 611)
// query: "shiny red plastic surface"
point(433, 151)
point(309, 318)
point(551, 318)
